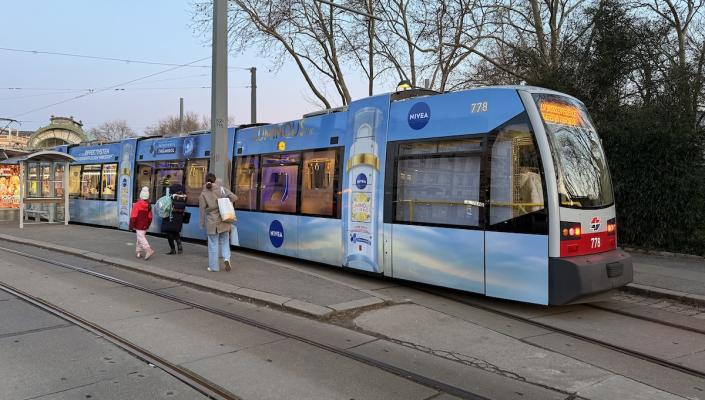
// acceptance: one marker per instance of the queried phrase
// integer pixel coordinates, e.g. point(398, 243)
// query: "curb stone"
point(651, 291)
point(662, 253)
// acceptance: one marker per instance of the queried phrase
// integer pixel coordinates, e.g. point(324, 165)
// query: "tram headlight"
point(612, 227)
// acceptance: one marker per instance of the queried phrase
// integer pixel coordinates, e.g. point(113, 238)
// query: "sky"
point(153, 30)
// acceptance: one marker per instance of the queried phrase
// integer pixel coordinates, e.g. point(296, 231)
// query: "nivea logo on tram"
point(361, 181)
point(419, 115)
point(276, 233)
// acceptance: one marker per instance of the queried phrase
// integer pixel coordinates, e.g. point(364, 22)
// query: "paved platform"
point(304, 287)
point(313, 290)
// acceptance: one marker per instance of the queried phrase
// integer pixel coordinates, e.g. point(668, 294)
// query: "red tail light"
point(570, 230)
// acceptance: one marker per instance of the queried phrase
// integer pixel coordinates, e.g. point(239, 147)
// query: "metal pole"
point(65, 185)
point(219, 93)
point(181, 115)
point(253, 95)
point(23, 182)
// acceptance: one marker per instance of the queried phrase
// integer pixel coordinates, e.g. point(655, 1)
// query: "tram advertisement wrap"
point(363, 177)
point(125, 183)
point(9, 186)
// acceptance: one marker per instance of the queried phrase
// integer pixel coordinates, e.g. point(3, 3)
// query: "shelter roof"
point(46, 156)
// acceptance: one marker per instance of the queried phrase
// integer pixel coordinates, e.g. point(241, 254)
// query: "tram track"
point(599, 342)
point(189, 376)
point(195, 381)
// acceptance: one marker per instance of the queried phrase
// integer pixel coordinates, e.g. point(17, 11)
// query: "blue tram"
point(502, 191)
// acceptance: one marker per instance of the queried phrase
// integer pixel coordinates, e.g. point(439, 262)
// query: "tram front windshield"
point(581, 167)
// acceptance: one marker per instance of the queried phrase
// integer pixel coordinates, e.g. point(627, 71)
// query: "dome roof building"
point(60, 131)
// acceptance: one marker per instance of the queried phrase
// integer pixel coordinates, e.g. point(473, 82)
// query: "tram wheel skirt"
point(578, 279)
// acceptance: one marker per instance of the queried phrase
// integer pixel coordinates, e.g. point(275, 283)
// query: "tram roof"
point(45, 156)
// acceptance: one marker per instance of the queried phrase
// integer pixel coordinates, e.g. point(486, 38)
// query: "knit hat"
point(144, 194)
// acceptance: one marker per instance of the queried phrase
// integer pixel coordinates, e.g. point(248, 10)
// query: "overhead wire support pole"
point(253, 95)
point(219, 93)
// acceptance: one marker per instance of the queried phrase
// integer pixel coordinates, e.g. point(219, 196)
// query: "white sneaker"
point(148, 254)
point(211, 270)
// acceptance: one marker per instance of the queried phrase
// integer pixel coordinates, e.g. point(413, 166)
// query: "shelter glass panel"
point(33, 180)
point(280, 182)
point(59, 180)
point(246, 182)
point(46, 180)
point(320, 178)
point(438, 183)
point(196, 171)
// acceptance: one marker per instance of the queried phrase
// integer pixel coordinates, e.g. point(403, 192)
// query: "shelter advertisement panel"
point(9, 186)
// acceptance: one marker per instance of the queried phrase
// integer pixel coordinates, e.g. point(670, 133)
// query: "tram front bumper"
point(576, 279)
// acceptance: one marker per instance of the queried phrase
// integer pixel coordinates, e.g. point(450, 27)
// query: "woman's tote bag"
point(225, 207)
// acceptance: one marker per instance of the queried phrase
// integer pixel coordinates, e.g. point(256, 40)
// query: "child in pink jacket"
point(140, 220)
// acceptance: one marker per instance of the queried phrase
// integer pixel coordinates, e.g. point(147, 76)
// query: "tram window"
point(90, 182)
point(280, 174)
point(245, 182)
point(516, 187)
point(108, 181)
point(33, 180)
point(438, 183)
point(75, 181)
point(319, 194)
point(167, 173)
point(145, 175)
point(196, 171)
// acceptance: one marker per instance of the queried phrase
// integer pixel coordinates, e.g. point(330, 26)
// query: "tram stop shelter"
point(35, 185)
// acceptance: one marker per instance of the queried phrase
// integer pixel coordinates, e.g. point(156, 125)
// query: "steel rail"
point(401, 372)
point(620, 349)
point(198, 383)
point(645, 318)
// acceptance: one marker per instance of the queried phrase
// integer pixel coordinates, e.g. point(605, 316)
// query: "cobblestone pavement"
point(673, 306)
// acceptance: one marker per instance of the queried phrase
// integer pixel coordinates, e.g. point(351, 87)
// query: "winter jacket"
point(175, 222)
point(141, 216)
point(208, 204)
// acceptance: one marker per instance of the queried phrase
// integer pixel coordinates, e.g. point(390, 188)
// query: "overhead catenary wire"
point(123, 60)
point(111, 87)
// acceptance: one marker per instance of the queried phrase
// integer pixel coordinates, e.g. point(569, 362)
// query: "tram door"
point(516, 237)
point(435, 211)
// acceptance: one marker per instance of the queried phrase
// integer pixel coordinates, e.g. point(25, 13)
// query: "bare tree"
point(686, 22)
point(112, 131)
point(538, 32)
point(307, 31)
point(170, 125)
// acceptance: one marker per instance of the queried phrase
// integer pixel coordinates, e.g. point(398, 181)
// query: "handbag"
point(186, 218)
point(234, 237)
point(225, 208)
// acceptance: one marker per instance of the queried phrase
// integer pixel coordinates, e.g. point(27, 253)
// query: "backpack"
point(164, 205)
